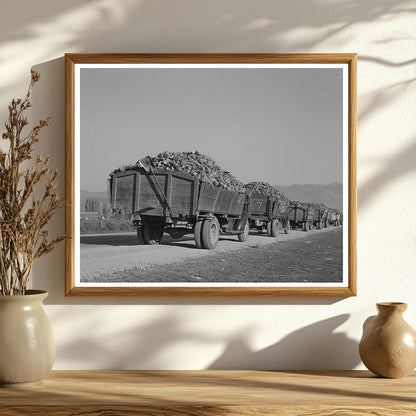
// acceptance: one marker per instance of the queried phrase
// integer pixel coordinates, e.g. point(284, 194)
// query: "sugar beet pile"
point(194, 164)
point(265, 188)
point(205, 168)
point(199, 165)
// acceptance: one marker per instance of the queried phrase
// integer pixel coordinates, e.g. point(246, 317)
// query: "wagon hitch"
point(147, 165)
point(245, 215)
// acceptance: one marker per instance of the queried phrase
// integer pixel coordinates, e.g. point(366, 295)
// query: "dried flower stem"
point(23, 217)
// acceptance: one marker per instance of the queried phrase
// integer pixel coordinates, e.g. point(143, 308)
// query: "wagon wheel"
point(197, 233)
point(243, 236)
point(152, 234)
point(140, 235)
point(210, 233)
point(273, 228)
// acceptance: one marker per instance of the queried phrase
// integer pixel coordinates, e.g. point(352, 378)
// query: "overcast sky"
point(281, 126)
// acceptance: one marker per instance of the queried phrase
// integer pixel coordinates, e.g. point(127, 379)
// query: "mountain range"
point(330, 195)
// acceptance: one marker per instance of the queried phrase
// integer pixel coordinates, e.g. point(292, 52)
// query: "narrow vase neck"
point(391, 308)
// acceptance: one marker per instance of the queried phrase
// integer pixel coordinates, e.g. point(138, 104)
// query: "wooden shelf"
point(203, 393)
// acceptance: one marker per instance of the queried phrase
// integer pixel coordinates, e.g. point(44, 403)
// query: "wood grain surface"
point(202, 393)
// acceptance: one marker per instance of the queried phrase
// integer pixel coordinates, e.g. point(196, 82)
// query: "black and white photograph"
point(207, 175)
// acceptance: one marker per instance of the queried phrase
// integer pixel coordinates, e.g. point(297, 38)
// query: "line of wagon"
point(161, 201)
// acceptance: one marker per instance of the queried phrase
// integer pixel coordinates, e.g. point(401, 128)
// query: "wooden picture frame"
point(86, 115)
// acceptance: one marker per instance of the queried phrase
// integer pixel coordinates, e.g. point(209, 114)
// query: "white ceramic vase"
point(27, 347)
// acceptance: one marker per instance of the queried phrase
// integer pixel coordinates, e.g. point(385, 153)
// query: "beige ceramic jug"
point(388, 344)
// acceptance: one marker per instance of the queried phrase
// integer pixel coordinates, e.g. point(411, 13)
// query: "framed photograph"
point(211, 174)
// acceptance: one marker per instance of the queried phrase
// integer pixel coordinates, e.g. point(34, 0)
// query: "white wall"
point(199, 333)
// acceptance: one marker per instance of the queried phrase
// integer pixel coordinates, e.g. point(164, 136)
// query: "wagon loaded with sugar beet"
point(268, 209)
point(320, 213)
point(160, 199)
point(301, 214)
point(334, 217)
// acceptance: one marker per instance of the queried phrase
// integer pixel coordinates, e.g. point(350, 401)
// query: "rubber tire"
point(318, 225)
point(273, 228)
point(305, 226)
point(197, 233)
point(210, 239)
point(140, 235)
point(243, 236)
point(152, 234)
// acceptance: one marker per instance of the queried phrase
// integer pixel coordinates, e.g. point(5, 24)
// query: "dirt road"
point(104, 257)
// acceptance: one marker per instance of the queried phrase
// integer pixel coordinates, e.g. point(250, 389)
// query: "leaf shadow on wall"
point(48, 28)
point(391, 170)
point(140, 346)
point(313, 347)
point(398, 165)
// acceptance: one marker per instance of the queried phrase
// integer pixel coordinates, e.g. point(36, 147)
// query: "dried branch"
point(24, 217)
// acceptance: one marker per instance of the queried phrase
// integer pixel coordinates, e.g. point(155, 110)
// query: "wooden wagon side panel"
point(122, 196)
point(182, 196)
point(293, 214)
point(149, 199)
point(281, 209)
point(220, 201)
point(260, 206)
